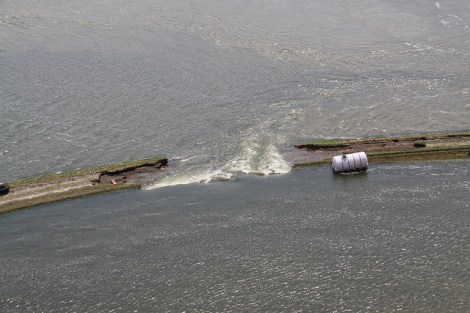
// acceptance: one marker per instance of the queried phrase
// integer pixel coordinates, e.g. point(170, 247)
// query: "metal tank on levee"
point(352, 162)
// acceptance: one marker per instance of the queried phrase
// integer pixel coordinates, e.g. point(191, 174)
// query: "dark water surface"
point(395, 239)
point(221, 87)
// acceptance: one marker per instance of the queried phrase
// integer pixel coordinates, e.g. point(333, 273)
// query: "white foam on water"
point(257, 159)
point(254, 158)
point(191, 178)
point(257, 153)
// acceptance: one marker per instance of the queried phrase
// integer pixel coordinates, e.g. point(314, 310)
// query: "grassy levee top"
point(388, 149)
point(58, 187)
point(130, 175)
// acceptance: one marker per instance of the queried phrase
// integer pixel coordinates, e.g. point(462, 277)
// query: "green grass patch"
point(97, 170)
point(326, 161)
point(61, 196)
point(339, 143)
point(421, 154)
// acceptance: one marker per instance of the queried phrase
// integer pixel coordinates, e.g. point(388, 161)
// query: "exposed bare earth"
point(410, 148)
point(131, 175)
point(60, 187)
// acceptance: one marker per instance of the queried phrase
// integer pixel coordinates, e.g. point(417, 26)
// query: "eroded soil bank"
point(59, 187)
point(393, 149)
point(131, 175)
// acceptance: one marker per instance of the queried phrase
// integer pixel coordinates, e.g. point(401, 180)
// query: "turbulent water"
point(221, 87)
point(226, 88)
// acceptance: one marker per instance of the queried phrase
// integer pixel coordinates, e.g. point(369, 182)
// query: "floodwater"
point(394, 239)
point(224, 89)
point(221, 87)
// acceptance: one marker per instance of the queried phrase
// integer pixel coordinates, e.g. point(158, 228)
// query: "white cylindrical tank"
point(350, 162)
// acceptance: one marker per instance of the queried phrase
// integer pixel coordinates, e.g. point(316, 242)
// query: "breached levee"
point(131, 175)
point(258, 160)
point(384, 150)
point(252, 159)
point(58, 187)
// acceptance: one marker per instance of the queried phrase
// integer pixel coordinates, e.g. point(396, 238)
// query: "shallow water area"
point(393, 239)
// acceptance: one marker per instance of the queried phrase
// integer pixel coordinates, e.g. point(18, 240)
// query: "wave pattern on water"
point(90, 83)
point(255, 157)
point(393, 240)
